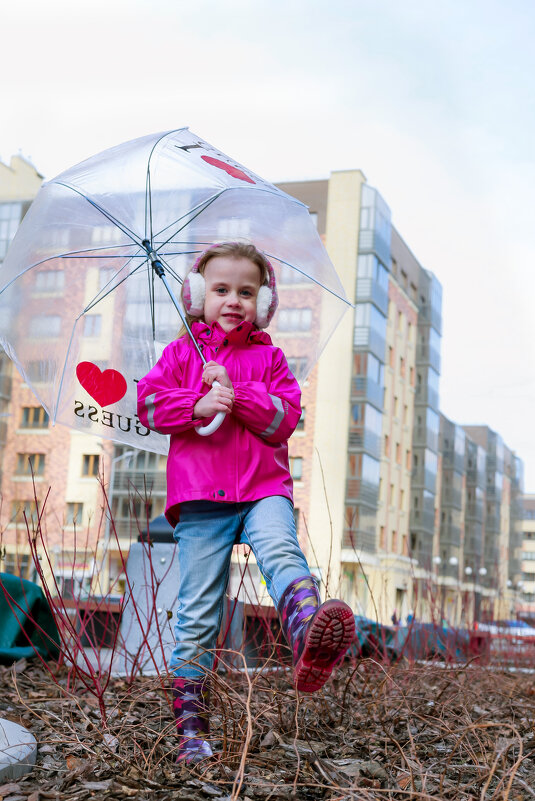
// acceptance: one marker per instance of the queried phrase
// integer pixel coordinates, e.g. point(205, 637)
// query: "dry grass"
point(374, 732)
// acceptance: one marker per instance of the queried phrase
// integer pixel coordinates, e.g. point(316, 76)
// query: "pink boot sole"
point(330, 634)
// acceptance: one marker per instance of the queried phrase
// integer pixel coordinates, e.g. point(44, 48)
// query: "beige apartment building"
point(407, 511)
point(526, 602)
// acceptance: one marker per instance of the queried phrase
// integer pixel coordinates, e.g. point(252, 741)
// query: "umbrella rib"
point(311, 278)
point(148, 192)
point(60, 387)
point(98, 298)
point(190, 215)
point(103, 211)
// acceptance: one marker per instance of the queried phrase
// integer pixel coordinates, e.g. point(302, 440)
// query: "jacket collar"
point(243, 334)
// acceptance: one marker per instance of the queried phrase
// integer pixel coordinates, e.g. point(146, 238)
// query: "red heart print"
point(228, 168)
point(104, 387)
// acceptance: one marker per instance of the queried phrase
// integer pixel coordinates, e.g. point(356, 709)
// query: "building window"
point(50, 281)
point(23, 512)
point(36, 372)
point(73, 515)
point(45, 326)
point(90, 464)
point(16, 564)
point(296, 467)
point(297, 365)
point(33, 417)
point(296, 519)
point(105, 277)
point(30, 463)
point(10, 217)
point(301, 423)
point(295, 320)
point(92, 325)
point(289, 275)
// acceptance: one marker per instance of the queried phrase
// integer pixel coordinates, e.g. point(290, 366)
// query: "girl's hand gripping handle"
point(205, 431)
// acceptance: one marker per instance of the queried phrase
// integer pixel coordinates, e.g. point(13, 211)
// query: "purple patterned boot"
point(319, 635)
point(190, 705)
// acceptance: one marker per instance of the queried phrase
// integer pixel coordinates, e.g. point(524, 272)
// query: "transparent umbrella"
point(83, 312)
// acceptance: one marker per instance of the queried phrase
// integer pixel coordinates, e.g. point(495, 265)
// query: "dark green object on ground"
point(27, 625)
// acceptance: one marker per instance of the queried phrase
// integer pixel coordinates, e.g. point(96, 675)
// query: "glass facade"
point(367, 381)
point(426, 432)
point(452, 447)
point(474, 509)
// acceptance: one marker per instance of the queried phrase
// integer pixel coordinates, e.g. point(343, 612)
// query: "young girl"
point(234, 485)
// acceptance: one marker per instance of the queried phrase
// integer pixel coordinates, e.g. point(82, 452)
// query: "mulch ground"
point(374, 732)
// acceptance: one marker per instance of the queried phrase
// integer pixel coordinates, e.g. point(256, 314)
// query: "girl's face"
point(232, 286)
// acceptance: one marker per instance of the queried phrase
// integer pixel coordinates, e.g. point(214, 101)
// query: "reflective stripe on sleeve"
point(150, 406)
point(277, 420)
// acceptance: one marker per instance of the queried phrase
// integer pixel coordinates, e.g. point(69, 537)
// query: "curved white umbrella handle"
point(205, 431)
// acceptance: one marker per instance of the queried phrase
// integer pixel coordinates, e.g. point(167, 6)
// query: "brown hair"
point(234, 250)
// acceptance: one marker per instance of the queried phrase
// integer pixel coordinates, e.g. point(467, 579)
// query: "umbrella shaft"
point(158, 268)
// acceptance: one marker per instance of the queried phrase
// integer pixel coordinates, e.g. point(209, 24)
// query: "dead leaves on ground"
point(402, 732)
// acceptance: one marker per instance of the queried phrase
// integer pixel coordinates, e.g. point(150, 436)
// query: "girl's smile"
point(232, 286)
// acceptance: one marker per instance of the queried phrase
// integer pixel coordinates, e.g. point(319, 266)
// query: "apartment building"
point(50, 472)
point(525, 608)
point(408, 511)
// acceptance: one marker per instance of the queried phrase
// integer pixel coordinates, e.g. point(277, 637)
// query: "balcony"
point(363, 388)
point(369, 290)
point(365, 338)
point(475, 478)
point(358, 540)
point(452, 460)
point(129, 481)
point(492, 524)
point(431, 315)
point(427, 355)
point(425, 437)
point(450, 534)
point(424, 479)
point(426, 396)
point(370, 241)
point(452, 497)
point(474, 511)
point(359, 490)
point(423, 520)
point(365, 441)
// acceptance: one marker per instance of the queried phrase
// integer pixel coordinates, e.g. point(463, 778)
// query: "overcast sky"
point(433, 101)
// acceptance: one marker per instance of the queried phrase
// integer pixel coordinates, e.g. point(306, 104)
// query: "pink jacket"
point(247, 457)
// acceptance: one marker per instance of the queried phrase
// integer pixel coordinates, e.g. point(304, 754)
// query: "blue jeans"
point(206, 534)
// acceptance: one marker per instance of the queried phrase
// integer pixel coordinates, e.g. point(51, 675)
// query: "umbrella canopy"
point(82, 314)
